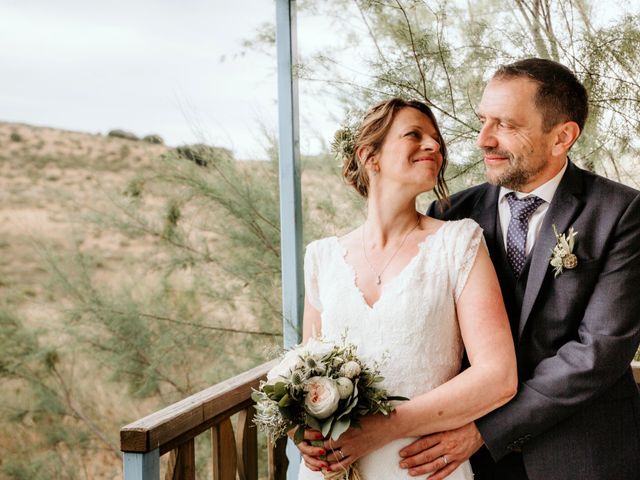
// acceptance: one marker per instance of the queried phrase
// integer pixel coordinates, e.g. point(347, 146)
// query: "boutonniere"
point(562, 254)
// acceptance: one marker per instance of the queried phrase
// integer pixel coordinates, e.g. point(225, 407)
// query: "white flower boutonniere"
point(562, 254)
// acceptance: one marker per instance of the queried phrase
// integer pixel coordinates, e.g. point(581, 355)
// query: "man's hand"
point(441, 453)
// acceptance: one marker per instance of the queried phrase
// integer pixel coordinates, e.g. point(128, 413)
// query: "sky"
point(158, 67)
point(147, 66)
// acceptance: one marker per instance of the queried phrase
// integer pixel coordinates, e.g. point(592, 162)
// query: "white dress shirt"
point(546, 191)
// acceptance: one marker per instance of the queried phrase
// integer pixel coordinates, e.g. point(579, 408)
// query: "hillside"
point(95, 249)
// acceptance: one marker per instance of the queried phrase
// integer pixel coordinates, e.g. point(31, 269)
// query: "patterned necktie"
point(521, 211)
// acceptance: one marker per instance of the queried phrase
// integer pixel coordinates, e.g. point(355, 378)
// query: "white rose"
point(322, 397)
point(345, 387)
point(288, 364)
point(350, 369)
point(317, 348)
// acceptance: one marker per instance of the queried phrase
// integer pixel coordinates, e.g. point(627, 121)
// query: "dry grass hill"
point(54, 185)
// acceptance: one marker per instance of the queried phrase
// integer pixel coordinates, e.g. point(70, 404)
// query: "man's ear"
point(566, 135)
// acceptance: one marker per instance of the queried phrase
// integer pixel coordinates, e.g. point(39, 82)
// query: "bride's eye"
point(413, 134)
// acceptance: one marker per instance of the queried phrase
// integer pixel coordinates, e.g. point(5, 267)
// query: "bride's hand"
point(356, 442)
point(314, 457)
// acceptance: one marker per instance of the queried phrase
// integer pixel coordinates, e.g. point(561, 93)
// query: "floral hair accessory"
point(562, 254)
point(343, 145)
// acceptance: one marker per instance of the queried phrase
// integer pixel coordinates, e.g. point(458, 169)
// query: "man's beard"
point(518, 174)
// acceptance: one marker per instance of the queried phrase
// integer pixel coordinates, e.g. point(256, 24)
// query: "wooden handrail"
point(174, 428)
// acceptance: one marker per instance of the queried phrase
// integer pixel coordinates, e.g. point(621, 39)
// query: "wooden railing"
point(173, 430)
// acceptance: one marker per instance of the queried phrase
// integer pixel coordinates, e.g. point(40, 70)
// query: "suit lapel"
point(485, 213)
point(564, 207)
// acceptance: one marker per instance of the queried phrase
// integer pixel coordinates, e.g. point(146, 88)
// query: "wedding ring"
point(444, 457)
point(340, 453)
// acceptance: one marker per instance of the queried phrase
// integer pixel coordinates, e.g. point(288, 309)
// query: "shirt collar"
point(546, 191)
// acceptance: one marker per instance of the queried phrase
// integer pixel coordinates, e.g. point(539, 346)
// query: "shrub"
point(203, 155)
point(15, 137)
point(155, 139)
point(123, 134)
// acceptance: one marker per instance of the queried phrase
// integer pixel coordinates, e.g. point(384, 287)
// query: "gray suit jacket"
point(577, 410)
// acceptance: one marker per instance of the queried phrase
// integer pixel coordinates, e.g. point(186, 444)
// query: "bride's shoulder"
point(322, 245)
point(458, 229)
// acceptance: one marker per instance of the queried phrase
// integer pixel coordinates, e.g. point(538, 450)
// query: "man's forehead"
point(511, 94)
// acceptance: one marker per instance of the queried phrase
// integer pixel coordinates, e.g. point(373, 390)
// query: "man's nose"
point(486, 137)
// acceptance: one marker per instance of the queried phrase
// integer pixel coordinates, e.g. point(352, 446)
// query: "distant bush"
point(15, 137)
point(155, 139)
point(204, 155)
point(123, 134)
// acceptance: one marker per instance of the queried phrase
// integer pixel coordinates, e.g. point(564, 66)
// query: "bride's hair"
point(371, 133)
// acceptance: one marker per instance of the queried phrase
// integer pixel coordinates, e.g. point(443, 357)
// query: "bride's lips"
point(424, 159)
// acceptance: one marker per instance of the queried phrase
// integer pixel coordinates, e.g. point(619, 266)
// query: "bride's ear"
point(366, 157)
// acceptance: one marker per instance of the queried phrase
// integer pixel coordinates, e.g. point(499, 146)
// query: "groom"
point(575, 324)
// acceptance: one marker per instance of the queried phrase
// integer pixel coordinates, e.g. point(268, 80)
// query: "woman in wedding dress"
point(412, 289)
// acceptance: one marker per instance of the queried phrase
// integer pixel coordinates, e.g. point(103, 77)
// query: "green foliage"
point(203, 155)
point(15, 137)
point(443, 52)
point(32, 370)
point(118, 133)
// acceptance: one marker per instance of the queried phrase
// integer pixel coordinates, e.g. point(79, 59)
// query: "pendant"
point(378, 282)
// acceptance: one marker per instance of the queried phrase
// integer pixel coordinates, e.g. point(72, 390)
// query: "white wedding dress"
point(413, 323)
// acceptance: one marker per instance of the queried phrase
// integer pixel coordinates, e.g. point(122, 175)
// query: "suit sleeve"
point(583, 368)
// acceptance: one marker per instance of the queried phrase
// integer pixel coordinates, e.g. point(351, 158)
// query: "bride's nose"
point(430, 144)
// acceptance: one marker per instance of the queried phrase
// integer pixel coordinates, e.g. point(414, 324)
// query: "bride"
point(412, 289)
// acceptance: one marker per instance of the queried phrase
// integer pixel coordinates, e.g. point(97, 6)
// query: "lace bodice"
point(413, 324)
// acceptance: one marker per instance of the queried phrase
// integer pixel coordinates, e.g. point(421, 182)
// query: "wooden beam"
point(204, 408)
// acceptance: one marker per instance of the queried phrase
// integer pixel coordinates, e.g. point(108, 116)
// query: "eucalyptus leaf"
point(326, 426)
point(285, 401)
point(280, 390)
point(339, 427)
point(313, 423)
point(298, 436)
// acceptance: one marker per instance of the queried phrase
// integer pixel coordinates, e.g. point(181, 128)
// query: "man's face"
point(516, 150)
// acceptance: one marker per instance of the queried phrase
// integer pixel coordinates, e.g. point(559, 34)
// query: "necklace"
point(364, 250)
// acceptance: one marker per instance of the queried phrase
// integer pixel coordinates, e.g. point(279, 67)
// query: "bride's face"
point(410, 154)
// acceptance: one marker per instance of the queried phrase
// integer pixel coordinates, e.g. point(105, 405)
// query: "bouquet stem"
point(349, 473)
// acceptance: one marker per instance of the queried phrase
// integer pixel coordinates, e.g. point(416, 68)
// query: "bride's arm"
point(488, 383)
point(311, 325)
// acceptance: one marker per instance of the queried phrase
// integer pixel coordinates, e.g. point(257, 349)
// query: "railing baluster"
point(183, 459)
point(277, 459)
point(247, 445)
point(224, 451)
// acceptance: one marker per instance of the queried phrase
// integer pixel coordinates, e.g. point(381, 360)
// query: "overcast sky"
point(154, 66)
point(148, 66)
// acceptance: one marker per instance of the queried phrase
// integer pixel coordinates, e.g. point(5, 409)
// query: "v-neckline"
point(384, 288)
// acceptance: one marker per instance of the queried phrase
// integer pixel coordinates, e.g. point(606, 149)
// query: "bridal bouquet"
point(320, 385)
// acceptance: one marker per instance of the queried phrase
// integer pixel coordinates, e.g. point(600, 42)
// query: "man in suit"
point(576, 327)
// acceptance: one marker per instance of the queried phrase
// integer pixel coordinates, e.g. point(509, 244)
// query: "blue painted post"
point(141, 466)
point(289, 153)
point(290, 200)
